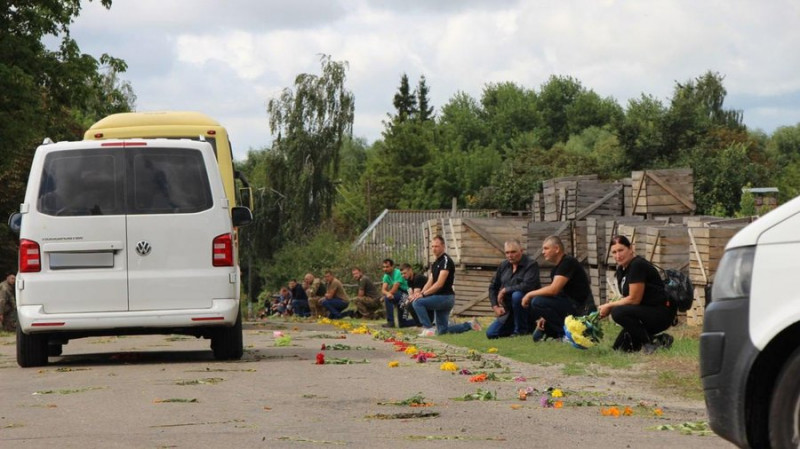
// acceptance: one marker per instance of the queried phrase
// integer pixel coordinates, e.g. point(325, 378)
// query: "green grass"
point(675, 370)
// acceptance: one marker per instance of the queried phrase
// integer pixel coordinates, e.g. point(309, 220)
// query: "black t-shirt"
point(642, 271)
point(298, 293)
point(444, 262)
point(417, 281)
point(577, 287)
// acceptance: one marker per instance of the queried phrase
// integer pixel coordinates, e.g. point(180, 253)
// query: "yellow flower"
point(448, 366)
point(324, 321)
point(557, 393)
point(394, 364)
point(411, 350)
point(491, 350)
point(363, 329)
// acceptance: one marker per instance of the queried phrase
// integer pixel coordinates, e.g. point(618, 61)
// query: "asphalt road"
point(169, 392)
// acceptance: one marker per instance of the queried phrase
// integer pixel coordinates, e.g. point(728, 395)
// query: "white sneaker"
point(429, 332)
point(476, 326)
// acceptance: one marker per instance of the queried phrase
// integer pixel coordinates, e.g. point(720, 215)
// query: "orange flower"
point(479, 378)
point(558, 404)
point(611, 411)
point(658, 412)
point(628, 411)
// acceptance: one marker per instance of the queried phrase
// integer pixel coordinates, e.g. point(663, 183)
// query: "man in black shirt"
point(299, 299)
point(516, 276)
point(569, 292)
point(415, 284)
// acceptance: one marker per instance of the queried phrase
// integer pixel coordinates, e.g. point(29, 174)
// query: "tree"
point(424, 110)
point(405, 104)
point(46, 93)
point(311, 124)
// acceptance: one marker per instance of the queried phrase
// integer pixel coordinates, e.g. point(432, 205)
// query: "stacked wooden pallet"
point(477, 248)
point(669, 192)
point(708, 237)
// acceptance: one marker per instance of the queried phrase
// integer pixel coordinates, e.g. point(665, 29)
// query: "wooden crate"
point(707, 248)
point(576, 198)
point(597, 279)
point(476, 241)
point(537, 207)
point(667, 246)
point(472, 292)
point(668, 191)
point(560, 196)
point(694, 316)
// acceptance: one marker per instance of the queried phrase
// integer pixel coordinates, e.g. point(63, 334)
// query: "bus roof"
point(155, 118)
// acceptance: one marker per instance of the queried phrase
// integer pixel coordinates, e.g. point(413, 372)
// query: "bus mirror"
point(241, 216)
point(246, 197)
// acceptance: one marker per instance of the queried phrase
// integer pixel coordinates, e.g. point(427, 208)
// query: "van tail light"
point(30, 259)
point(222, 251)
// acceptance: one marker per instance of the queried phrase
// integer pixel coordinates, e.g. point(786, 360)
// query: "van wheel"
point(54, 349)
point(31, 349)
point(784, 409)
point(227, 343)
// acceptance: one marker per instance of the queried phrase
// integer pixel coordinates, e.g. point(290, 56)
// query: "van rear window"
point(168, 181)
point(124, 181)
point(76, 183)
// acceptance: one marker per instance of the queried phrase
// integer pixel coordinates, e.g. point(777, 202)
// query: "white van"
point(750, 345)
point(126, 237)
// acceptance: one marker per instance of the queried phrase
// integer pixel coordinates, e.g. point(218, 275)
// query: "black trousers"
point(639, 324)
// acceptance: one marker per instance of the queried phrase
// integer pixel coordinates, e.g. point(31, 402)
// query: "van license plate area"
point(71, 260)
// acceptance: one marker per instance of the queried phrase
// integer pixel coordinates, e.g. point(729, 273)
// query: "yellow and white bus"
point(179, 125)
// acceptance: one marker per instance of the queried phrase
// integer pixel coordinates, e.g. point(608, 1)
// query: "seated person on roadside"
point(569, 292)
point(415, 283)
point(438, 296)
point(299, 299)
point(282, 302)
point(644, 310)
point(368, 300)
point(335, 299)
point(393, 289)
point(516, 276)
point(315, 291)
point(8, 303)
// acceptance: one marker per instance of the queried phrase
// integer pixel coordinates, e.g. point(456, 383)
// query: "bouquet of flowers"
point(583, 331)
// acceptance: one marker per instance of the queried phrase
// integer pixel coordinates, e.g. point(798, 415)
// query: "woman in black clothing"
point(644, 310)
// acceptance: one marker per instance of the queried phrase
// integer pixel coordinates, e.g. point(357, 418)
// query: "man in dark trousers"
point(516, 276)
point(569, 293)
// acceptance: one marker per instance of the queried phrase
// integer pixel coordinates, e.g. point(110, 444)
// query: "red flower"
point(324, 347)
point(320, 359)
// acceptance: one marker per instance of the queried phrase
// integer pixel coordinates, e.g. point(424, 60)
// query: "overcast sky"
point(228, 58)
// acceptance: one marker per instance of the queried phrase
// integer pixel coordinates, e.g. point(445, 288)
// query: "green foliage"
point(47, 93)
point(311, 123)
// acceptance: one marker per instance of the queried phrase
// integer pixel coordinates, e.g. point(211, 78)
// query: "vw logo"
point(143, 248)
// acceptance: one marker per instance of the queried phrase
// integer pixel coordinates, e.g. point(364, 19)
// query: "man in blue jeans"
point(438, 296)
point(516, 276)
point(335, 299)
point(393, 288)
point(569, 293)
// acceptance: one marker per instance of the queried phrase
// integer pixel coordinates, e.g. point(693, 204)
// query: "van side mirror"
point(15, 222)
point(246, 197)
point(241, 216)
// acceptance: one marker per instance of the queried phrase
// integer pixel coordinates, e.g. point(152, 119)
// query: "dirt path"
point(160, 392)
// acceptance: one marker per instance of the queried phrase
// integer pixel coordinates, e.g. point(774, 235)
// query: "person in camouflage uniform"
point(8, 303)
point(315, 290)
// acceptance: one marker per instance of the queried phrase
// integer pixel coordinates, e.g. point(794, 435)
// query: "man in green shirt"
point(394, 288)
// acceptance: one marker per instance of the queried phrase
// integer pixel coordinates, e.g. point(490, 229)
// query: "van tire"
point(784, 420)
point(227, 342)
point(31, 349)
